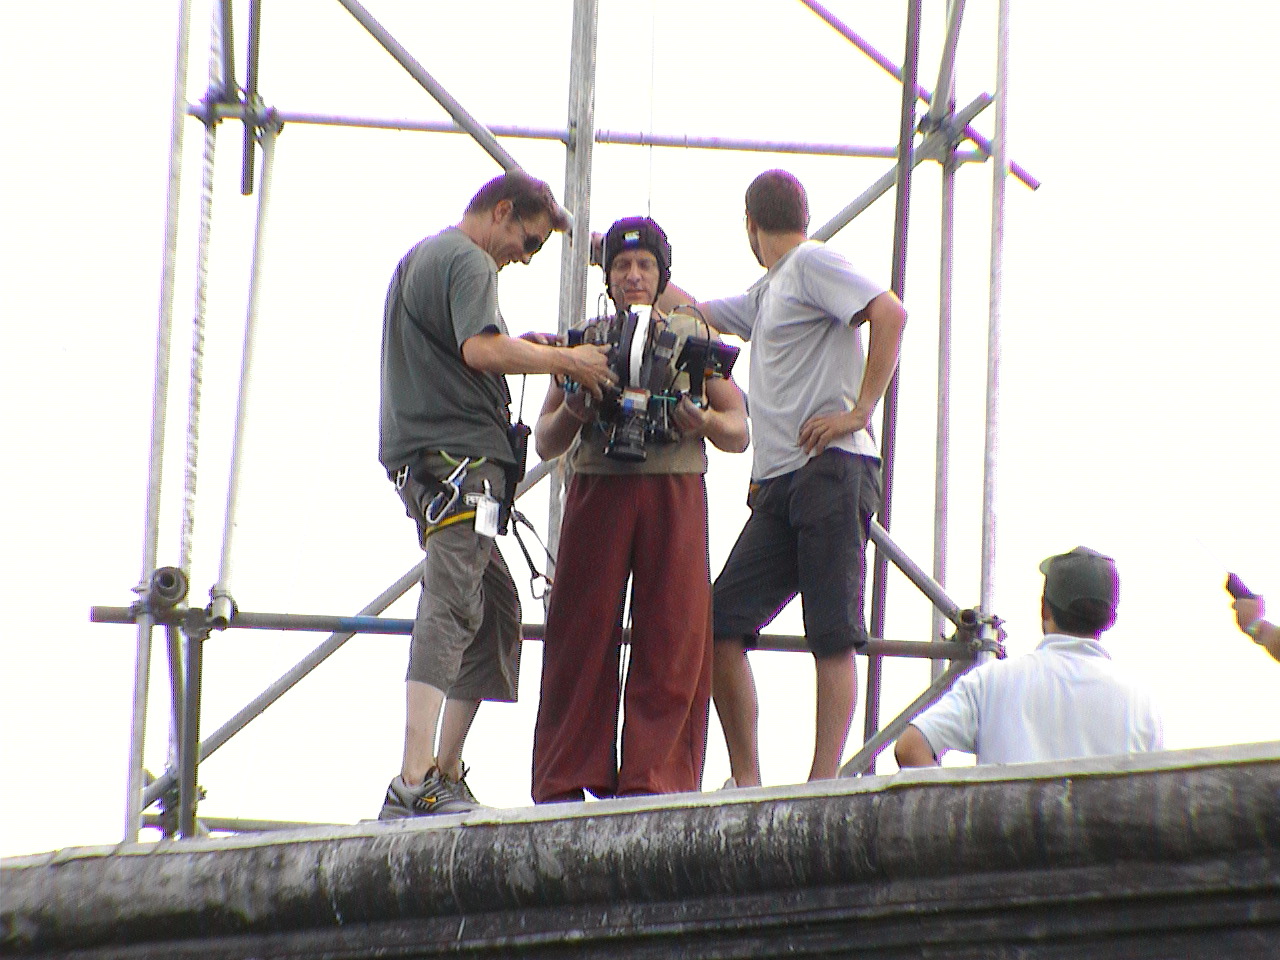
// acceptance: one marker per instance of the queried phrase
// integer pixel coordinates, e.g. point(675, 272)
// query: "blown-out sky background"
point(1141, 359)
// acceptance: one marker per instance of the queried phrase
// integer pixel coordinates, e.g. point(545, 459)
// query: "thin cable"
point(653, 32)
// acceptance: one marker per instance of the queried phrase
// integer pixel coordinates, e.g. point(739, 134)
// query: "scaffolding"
point(940, 134)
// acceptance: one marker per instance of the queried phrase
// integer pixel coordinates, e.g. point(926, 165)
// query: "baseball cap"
point(1081, 574)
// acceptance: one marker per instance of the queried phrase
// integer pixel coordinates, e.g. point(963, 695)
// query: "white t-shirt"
point(806, 354)
point(1066, 699)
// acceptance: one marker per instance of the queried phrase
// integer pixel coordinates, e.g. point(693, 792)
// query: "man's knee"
point(729, 655)
point(834, 659)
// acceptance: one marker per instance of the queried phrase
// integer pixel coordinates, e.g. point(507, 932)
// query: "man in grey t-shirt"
point(815, 468)
point(443, 440)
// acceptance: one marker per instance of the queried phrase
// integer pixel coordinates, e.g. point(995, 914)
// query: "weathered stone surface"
point(1148, 856)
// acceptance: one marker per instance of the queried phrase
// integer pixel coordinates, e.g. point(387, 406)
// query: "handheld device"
point(1237, 589)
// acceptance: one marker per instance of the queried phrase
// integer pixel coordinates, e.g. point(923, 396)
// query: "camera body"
point(641, 408)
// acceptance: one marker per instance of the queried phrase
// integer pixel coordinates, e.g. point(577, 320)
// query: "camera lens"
point(626, 441)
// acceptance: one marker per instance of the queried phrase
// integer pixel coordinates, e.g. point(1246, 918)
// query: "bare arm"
point(913, 750)
point(1249, 613)
point(723, 421)
point(886, 319)
point(562, 416)
point(498, 353)
point(672, 297)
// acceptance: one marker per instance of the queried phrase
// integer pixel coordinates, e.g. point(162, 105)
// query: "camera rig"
point(640, 409)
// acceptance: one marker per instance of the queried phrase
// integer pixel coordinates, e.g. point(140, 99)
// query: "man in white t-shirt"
point(815, 472)
point(1066, 699)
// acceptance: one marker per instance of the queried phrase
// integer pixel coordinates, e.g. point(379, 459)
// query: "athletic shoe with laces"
point(437, 794)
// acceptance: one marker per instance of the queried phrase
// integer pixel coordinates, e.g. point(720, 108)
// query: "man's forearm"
point(726, 417)
point(886, 319)
point(556, 428)
point(727, 431)
point(498, 353)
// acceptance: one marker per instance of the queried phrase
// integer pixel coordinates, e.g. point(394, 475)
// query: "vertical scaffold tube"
point(159, 401)
point(221, 595)
point(189, 751)
point(942, 452)
point(999, 175)
point(577, 197)
point(250, 96)
point(942, 455)
point(906, 141)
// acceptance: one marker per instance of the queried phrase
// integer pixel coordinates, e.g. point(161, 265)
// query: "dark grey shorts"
point(466, 637)
point(807, 534)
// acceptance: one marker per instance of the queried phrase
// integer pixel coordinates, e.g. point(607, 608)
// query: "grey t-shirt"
point(444, 291)
point(806, 353)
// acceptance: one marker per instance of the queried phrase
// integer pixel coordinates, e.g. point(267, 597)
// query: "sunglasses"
point(532, 243)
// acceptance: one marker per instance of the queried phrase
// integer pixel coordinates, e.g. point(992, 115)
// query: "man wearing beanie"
point(1066, 699)
point(643, 520)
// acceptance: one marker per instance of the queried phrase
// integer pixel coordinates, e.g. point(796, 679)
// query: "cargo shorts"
point(466, 635)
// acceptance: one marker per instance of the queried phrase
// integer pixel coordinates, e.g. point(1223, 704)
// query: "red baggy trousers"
point(653, 529)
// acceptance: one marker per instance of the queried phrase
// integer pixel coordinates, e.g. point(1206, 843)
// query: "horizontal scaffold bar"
point(933, 650)
point(223, 111)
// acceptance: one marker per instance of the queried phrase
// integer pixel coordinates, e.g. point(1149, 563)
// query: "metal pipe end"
point(168, 586)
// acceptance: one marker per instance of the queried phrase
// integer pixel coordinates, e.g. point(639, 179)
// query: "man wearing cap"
point(643, 520)
point(1066, 699)
point(444, 441)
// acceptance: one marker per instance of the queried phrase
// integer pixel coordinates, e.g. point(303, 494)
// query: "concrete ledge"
point(1098, 857)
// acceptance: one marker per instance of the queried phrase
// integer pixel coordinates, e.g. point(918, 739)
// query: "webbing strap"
point(454, 461)
point(448, 522)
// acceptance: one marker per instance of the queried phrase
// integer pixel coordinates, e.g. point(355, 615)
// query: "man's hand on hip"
point(820, 431)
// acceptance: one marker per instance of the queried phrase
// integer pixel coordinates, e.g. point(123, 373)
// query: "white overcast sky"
point(1139, 400)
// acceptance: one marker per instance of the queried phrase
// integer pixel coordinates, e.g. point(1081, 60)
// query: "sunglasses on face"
point(532, 243)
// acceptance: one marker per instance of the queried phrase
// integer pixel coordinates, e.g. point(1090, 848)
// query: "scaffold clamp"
point(222, 608)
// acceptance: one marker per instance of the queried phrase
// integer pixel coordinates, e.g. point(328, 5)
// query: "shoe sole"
point(389, 812)
point(397, 812)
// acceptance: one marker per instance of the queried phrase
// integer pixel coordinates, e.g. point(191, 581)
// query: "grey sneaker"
point(436, 794)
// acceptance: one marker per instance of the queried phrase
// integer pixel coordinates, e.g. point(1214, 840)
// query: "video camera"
point(641, 408)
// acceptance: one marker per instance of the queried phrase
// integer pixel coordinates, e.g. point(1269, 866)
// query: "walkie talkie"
point(1237, 589)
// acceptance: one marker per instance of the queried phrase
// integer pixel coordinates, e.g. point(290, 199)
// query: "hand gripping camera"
point(641, 408)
